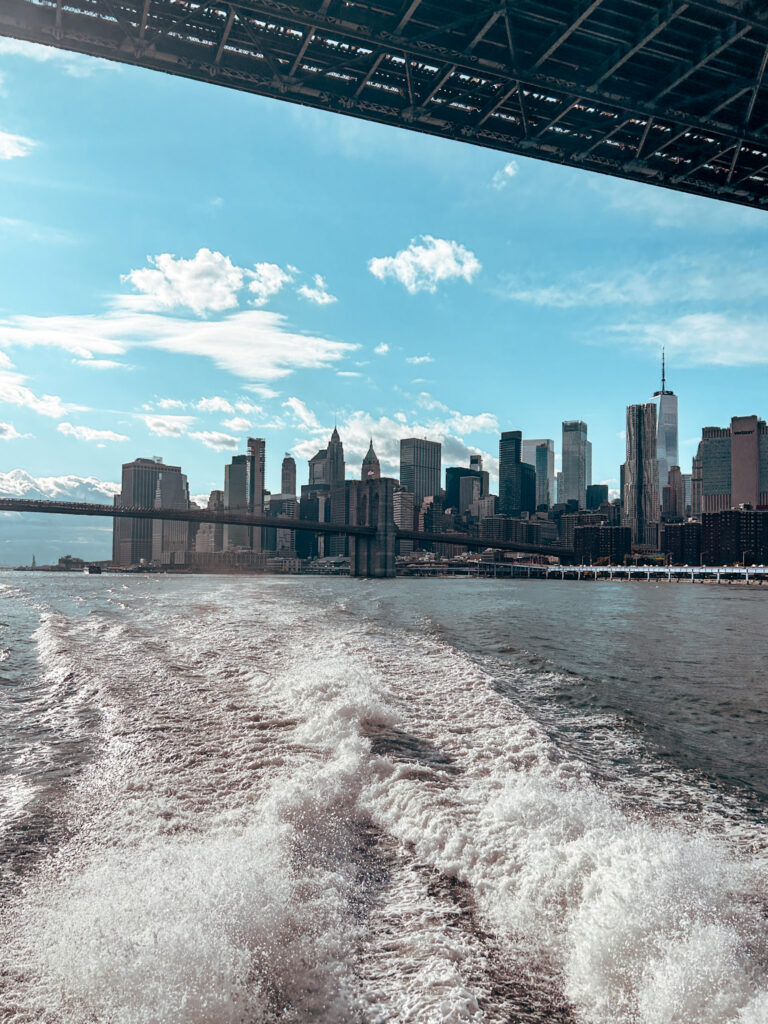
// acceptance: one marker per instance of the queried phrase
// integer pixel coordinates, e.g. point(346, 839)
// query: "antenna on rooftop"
point(663, 371)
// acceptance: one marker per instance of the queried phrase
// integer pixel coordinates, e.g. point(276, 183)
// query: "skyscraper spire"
point(663, 371)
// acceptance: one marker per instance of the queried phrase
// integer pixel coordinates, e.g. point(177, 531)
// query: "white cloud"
point(101, 364)
point(319, 293)
point(89, 433)
point(12, 146)
point(214, 404)
point(698, 339)
point(267, 279)
point(77, 65)
point(382, 349)
point(248, 409)
point(348, 373)
point(503, 177)
point(19, 484)
point(305, 417)
point(9, 433)
point(171, 403)
point(358, 428)
point(216, 440)
point(421, 267)
point(167, 426)
point(208, 282)
point(237, 423)
point(418, 360)
point(14, 391)
point(261, 391)
point(254, 344)
point(673, 281)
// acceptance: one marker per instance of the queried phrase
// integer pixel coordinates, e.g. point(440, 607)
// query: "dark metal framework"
point(671, 92)
point(80, 508)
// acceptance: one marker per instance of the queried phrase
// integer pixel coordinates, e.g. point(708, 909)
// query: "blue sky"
point(183, 265)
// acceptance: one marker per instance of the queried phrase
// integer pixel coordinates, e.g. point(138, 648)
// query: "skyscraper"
point(540, 454)
point(420, 463)
point(132, 538)
point(244, 491)
point(731, 466)
point(666, 429)
point(577, 463)
point(371, 468)
point(517, 479)
point(641, 475)
point(171, 491)
point(326, 468)
point(288, 475)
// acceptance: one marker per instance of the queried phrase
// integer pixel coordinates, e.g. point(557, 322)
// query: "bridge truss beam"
point(671, 93)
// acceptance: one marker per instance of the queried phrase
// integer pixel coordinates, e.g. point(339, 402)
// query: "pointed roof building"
point(371, 468)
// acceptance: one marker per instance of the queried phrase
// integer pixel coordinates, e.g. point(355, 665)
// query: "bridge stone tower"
point(375, 556)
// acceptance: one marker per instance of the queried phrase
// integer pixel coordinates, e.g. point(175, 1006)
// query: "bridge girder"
point(663, 91)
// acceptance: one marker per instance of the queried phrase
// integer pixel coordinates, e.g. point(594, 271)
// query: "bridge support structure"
point(374, 556)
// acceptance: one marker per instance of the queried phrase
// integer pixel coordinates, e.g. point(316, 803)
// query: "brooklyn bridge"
point(670, 92)
point(374, 534)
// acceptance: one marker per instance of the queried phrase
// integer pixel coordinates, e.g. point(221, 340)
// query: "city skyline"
point(481, 263)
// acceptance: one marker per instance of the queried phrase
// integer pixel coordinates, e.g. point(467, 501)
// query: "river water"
point(241, 799)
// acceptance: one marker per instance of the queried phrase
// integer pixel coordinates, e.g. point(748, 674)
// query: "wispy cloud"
point(216, 440)
point(167, 426)
point(14, 391)
point(12, 146)
point(425, 263)
point(214, 404)
point(382, 349)
point(418, 360)
point(9, 433)
point(237, 423)
point(101, 364)
point(318, 294)
point(77, 65)
point(89, 433)
point(673, 281)
point(503, 177)
point(253, 344)
point(302, 414)
point(698, 339)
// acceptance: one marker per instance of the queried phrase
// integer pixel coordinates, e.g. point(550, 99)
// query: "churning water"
point(292, 800)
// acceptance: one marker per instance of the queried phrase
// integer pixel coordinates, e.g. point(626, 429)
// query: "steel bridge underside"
point(233, 518)
point(670, 92)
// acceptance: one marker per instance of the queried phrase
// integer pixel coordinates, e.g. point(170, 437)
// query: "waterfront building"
point(597, 494)
point(641, 478)
point(540, 453)
point(666, 429)
point(132, 538)
point(210, 536)
point(244, 492)
point(731, 465)
point(170, 537)
point(288, 475)
point(371, 468)
point(420, 465)
point(735, 535)
point(577, 463)
point(284, 506)
point(681, 543)
point(517, 479)
point(608, 545)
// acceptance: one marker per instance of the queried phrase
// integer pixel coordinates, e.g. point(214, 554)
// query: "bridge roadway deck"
point(246, 519)
point(670, 92)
